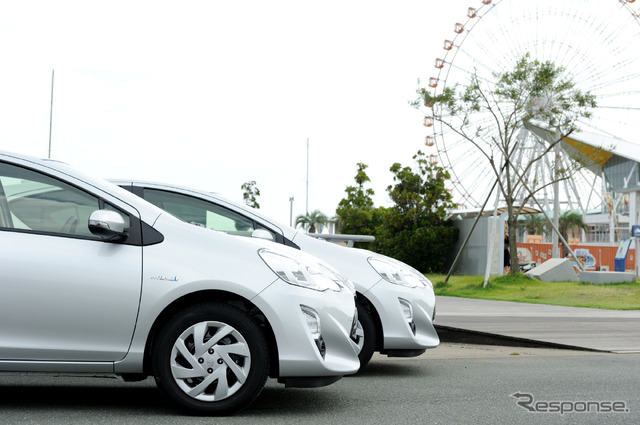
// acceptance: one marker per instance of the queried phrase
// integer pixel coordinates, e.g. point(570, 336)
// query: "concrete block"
point(606, 277)
point(554, 270)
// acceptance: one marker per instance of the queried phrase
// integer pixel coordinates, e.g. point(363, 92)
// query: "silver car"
point(97, 281)
point(396, 303)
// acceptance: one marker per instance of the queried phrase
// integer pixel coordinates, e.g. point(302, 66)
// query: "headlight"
point(306, 274)
point(338, 277)
point(399, 273)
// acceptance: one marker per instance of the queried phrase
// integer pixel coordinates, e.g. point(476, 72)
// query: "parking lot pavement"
point(569, 327)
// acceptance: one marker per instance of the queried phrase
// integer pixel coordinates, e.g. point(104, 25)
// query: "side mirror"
point(262, 234)
point(107, 224)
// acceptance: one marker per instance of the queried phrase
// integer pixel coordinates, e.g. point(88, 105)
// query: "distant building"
point(617, 163)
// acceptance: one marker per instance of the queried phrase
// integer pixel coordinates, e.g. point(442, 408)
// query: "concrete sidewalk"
point(572, 327)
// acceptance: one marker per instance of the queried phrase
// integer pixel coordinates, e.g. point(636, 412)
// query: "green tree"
point(414, 230)
point(533, 92)
point(533, 224)
point(420, 196)
point(250, 193)
point(356, 213)
point(570, 223)
point(312, 220)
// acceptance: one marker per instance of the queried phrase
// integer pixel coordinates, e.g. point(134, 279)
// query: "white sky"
point(211, 94)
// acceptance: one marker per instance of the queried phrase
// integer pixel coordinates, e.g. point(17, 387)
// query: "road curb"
point(450, 334)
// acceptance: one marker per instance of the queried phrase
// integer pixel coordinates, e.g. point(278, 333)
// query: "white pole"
point(291, 211)
point(307, 204)
point(51, 113)
point(555, 252)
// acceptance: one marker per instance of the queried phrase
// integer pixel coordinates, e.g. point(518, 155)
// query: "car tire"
point(366, 331)
point(211, 378)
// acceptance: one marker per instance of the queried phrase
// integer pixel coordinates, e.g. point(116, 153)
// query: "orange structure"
point(604, 255)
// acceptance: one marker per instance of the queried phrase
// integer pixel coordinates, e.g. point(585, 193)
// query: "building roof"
point(595, 149)
point(473, 212)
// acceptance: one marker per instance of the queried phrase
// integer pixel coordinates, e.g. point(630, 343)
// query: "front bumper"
point(302, 352)
point(404, 336)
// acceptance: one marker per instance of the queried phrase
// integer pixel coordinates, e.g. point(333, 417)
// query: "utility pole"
point(307, 205)
point(291, 211)
point(51, 113)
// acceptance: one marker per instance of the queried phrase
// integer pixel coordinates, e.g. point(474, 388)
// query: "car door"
point(65, 295)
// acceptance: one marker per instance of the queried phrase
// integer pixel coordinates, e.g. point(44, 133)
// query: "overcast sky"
point(211, 94)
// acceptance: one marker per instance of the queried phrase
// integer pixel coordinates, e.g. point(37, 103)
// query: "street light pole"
point(307, 205)
point(291, 211)
point(51, 113)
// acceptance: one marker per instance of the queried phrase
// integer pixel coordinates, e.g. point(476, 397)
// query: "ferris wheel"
point(595, 41)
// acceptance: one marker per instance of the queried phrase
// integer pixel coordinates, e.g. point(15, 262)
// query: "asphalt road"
point(454, 383)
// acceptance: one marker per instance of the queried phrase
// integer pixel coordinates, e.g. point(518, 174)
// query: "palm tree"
point(311, 220)
point(533, 224)
point(570, 221)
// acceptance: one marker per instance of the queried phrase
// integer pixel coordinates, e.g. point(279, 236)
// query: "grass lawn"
point(620, 296)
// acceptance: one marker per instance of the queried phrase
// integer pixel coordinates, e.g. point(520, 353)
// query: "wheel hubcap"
point(210, 361)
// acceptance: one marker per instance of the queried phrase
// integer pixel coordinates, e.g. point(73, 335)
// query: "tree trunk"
point(513, 251)
point(513, 244)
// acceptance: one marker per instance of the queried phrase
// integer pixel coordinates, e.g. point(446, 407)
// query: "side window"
point(200, 212)
point(35, 202)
